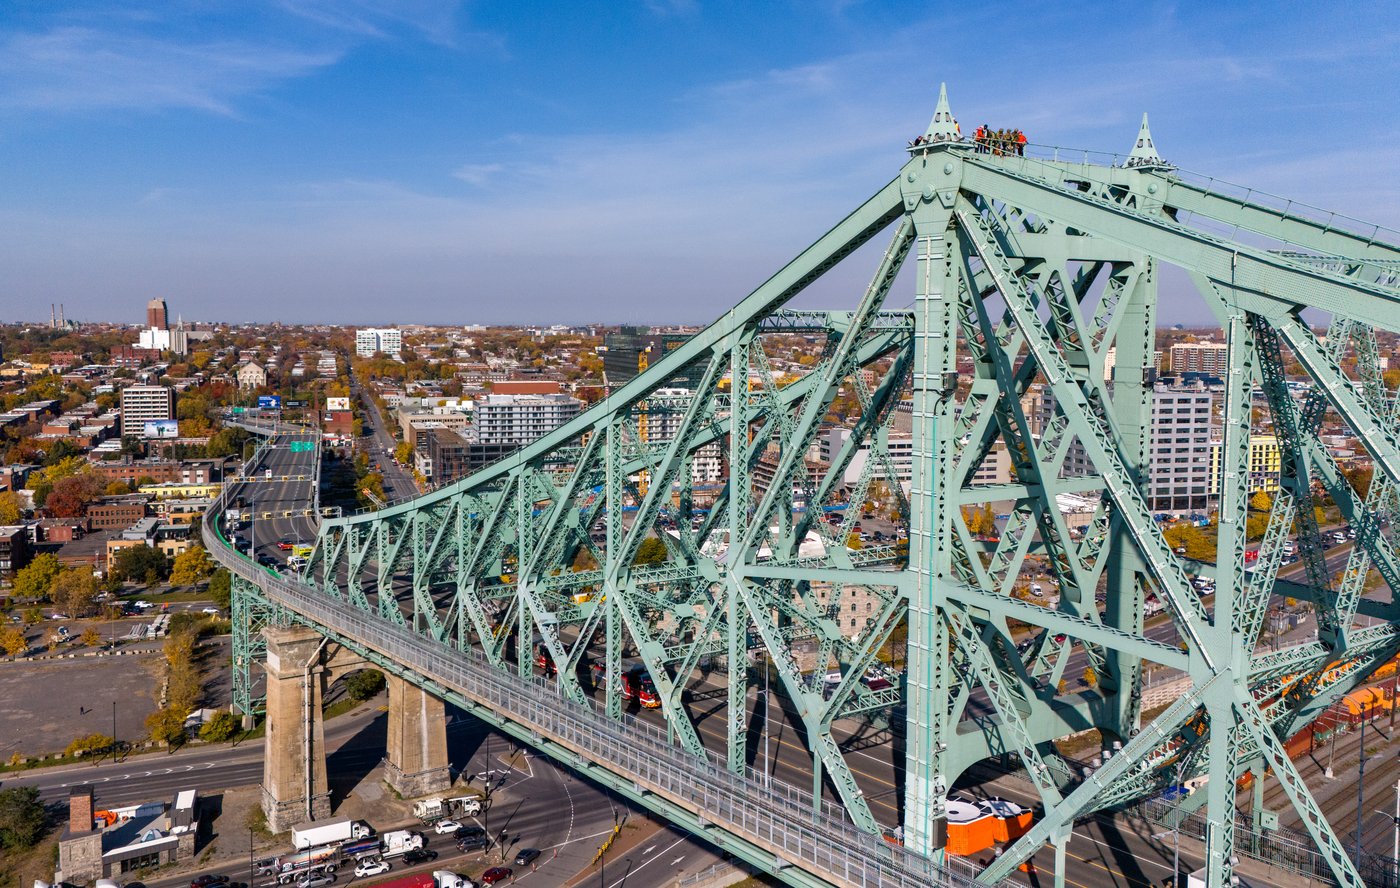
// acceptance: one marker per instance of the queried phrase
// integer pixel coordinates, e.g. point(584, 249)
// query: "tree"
point(70, 496)
point(88, 745)
point(220, 589)
point(191, 566)
point(74, 592)
point(167, 726)
point(1091, 677)
point(118, 488)
point(221, 727)
point(12, 641)
point(403, 452)
point(364, 684)
point(651, 551)
point(32, 615)
point(35, 580)
point(1261, 501)
point(21, 818)
point(141, 564)
point(90, 637)
point(10, 510)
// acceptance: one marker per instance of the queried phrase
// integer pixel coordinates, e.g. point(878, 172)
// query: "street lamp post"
point(115, 745)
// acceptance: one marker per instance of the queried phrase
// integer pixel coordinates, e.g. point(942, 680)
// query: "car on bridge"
point(285, 545)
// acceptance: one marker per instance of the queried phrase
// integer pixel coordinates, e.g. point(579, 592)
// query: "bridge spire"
point(943, 127)
point(1144, 152)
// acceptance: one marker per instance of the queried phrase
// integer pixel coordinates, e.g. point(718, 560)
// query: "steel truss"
point(1036, 270)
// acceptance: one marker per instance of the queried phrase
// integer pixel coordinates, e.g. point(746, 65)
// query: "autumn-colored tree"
point(191, 566)
point(91, 637)
point(1261, 501)
point(10, 510)
point(74, 591)
point(12, 641)
point(117, 488)
point(1091, 678)
point(167, 726)
point(70, 495)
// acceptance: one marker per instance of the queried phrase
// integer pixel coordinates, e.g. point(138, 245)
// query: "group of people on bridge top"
point(1000, 142)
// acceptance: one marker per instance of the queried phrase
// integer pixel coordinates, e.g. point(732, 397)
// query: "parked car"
point(316, 880)
point(526, 856)
point(371, 868)
point(210, 610)
point(496, 874)
point(445, 826)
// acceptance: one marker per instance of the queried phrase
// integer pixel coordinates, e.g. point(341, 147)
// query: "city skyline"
point(306, 162)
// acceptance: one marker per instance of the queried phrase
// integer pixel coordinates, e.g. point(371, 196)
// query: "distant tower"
point(62, 322)
point(53, 318)
point(155, 315)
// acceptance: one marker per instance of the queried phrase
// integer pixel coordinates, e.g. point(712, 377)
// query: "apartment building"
point(141, 404)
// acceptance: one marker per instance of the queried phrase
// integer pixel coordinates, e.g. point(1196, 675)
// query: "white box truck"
point(312, 835)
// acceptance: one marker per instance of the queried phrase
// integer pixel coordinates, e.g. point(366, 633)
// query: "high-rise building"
point(157, 317)
point(631, 350)
point(520, 419)
point(370, 340)
point(1183, 423)
point(145, 403)
point(1200, 357)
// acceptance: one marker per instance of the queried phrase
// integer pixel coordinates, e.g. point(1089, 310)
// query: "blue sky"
point(355, 161)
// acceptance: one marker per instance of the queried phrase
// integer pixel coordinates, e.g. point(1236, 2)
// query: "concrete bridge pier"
point(417, 762)
point(294, 788)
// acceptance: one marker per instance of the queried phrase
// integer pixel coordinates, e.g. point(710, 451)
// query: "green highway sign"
point(303, 446)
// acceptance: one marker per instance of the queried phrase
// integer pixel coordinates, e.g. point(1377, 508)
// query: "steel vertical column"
point(935, 362)
point(737, 615)
point(1132, 410)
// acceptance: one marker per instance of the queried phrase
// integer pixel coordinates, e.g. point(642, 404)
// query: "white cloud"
point(79, 69)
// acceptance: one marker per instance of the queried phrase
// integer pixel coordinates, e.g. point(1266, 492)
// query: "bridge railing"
point(769, 813)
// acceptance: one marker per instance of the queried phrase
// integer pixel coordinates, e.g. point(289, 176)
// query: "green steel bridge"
point(1036, 268)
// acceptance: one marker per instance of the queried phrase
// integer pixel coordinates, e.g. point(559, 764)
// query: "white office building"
point(520, 419)
point(145, 403)
point(369, 340)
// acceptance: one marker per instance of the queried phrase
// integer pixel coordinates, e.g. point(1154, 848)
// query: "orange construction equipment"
point(1369, 701)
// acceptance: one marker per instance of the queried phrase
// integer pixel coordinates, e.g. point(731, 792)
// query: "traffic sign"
point(303, 446)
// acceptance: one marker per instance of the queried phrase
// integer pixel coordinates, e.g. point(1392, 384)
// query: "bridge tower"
point(300, 665)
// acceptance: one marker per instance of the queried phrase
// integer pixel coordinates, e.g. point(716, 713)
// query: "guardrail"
point(767, 814)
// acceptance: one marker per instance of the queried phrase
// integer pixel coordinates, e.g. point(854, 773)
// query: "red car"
point(285, 545)
point(496, 874)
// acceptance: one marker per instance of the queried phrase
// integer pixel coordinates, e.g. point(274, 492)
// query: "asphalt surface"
point(398, 482)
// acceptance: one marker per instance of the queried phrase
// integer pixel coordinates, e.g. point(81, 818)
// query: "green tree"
point(35, 580)
point(364, 684)
point(12, 641)
point(220, 589)
point(651, 551)
point(141, 564)
point(221, 727)
point(32, 615)
point(21, 818)
point(191, 566)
